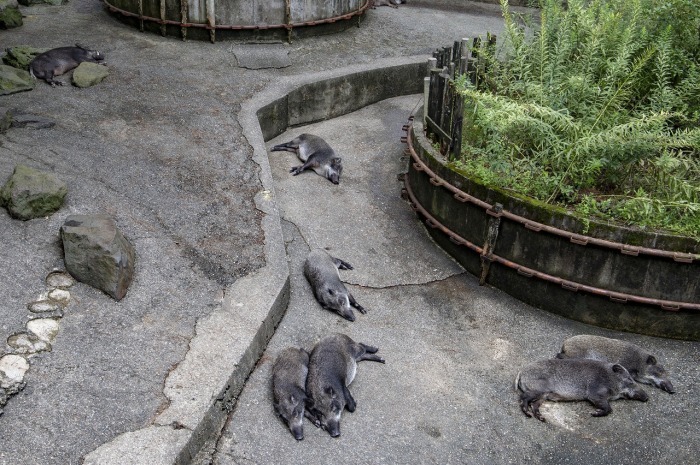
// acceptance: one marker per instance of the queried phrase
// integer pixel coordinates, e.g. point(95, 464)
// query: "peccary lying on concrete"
point(289, 388)
point(321, 270)
point(60, 60)
point(332, 368)
point(642, 365)
point(575, 379)
point(316, 155)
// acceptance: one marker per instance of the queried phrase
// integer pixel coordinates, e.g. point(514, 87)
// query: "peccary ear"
point(336, 161)
point(651, 360)
point(617, 368)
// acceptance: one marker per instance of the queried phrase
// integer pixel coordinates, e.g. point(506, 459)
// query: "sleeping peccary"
point(289, 388)
point(321, 270)
point(642, 365)
point(575, 379)
point(332, 368)
point(316, 155)
point(60, 60)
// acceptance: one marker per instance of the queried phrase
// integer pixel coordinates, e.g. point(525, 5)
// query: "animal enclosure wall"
point(212, 19)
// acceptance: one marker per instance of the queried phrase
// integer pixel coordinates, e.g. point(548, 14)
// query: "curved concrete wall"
point(336, 96)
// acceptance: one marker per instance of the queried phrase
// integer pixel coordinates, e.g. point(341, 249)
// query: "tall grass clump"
point(595, 106)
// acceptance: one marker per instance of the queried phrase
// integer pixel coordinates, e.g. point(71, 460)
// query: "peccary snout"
point(297, 428)
point(333, 428)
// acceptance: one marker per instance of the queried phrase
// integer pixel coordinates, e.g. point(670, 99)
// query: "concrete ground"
point(161, 147)
point(452, 348)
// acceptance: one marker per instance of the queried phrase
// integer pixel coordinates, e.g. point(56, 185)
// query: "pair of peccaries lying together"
point(592, 368)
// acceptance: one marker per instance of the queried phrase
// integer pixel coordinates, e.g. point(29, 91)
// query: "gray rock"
point(14, 80)
point(40, 2)
point(98, 254)
point(21, 55)
point(10, 15)
point(8, 4)
point(32, 122)
point(30, 193)
point(89, 74)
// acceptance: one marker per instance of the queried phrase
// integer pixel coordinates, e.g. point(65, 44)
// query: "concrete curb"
point(203, 388)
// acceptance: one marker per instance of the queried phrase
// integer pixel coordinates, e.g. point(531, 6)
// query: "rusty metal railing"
point(487, 255)
point(212, 27)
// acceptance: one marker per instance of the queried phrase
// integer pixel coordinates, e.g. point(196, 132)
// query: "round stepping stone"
point(59, 279)
point(43, 306)
point(45, 329)
point(25, 343)
point(61, 296)
point(12, 370)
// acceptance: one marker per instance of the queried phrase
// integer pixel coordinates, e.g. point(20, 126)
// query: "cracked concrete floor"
point(452, 348)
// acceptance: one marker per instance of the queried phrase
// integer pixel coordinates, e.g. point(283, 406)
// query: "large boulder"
point(30, 193)
point(10, 15)
point(88, 74)
point(97, 253)
point(14, 80)
point(21, 55)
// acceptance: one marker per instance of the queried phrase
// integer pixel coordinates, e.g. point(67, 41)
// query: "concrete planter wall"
point(252, 19)
point(610, 276)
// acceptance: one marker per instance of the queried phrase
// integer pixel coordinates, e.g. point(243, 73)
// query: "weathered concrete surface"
point(452, 348)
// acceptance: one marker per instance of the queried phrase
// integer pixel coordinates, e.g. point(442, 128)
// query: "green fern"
point(596, 108)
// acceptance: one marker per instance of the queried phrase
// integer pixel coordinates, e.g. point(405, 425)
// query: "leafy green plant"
point(596, 107)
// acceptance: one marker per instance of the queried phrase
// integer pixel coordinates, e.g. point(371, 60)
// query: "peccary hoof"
point(97, 254)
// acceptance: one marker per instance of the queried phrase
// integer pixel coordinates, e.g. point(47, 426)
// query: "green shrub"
point(596, 107)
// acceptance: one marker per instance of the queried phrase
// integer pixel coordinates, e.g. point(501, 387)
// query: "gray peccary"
point(321, 270)
point(60, 60)
point(575, 379)
point(332, 367)
point(391, 3)
point(316, 155)
point(289, 388)
point(642, 365)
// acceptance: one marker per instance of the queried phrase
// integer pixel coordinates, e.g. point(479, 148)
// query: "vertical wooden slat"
point(162, 18)
point(426, 98)
point(211, 19)
point(184, 18)
point(141, 15)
